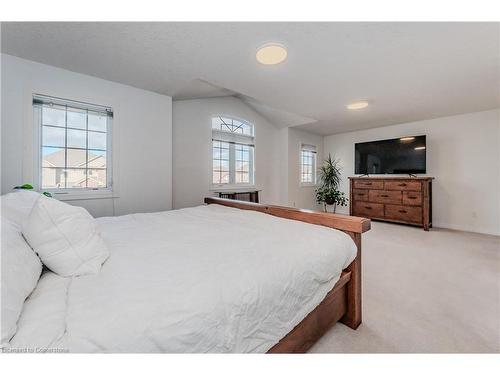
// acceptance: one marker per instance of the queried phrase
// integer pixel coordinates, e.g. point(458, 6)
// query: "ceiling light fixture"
point(406, 139)
point(420, 148)
point(271, 54)
point(358, 105)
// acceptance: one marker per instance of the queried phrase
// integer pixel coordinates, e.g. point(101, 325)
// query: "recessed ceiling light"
point(358, 105)
point(420, 148)
point(271, 54)
point(406, 139)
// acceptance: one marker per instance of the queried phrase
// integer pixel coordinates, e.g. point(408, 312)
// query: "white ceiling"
point(408, 71)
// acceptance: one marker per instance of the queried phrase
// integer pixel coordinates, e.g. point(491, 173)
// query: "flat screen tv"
point(405, 155)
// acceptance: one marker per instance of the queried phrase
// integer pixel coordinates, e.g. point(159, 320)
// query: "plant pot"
point(329, 202)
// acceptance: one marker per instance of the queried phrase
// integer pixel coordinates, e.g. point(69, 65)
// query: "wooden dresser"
point(405, 200)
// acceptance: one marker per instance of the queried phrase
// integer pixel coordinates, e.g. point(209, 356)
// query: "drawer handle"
point(403, 184)
point(403, 211)
point(384, 196)
point(368, 207)
point(412, 197)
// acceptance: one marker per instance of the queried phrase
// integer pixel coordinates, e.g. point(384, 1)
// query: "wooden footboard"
point(343, 302)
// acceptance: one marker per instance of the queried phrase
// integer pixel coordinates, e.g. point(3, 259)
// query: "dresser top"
point(391, 178)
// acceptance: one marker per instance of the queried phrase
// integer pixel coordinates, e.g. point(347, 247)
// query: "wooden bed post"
point(352, 317)
point(343, 302)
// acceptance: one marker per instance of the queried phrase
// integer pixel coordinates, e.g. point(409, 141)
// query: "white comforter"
point(202, 279)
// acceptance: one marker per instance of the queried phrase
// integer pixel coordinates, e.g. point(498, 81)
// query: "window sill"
point(235, 188)
point(304, 185)
point(82, 195)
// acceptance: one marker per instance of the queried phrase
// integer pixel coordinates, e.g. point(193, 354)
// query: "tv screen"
point(391, 156)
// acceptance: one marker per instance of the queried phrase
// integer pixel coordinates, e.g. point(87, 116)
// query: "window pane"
point(97, 121)
point(242, 177)
point(97, 159)
point(55, 116)
point(76, 158)
point(77, 118)
point(220, 177)
point(220, 153)
point(221, 165)
point(220, 162)
point(245, 156)
point(242, 166)
point(53, 178)
point(224, 178)
point(76, 178)
point(74, 146)
point(220, 169)
point(53, 157)
point(96, 178)
point(97, 140)
point(308, 165)
point(232, 125)
point(53, 136)
point(77, 138)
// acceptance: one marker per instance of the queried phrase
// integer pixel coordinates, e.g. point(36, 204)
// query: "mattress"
point(202, 279)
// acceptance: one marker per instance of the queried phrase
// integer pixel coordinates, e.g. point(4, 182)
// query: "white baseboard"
point(437, 224)
point(465, 228)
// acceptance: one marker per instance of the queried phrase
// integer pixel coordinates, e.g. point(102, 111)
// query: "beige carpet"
point(424, 292)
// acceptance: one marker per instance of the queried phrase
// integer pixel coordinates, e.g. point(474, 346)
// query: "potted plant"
point(328, 193)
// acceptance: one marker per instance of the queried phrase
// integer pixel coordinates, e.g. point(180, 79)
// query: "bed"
point(226, 277)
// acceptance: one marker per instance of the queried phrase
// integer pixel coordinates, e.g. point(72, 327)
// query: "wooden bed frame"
point(343, 302)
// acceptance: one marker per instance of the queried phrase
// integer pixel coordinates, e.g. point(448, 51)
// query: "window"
point(74, 145)
point(308, 165)
point(232, 151)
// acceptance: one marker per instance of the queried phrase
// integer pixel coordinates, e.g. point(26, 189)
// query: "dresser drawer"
point(366, 209)
point(403, 185)
point(368, 184)
point(403, 213)
point(360, 194)
point(385, 196)
point(412, 198)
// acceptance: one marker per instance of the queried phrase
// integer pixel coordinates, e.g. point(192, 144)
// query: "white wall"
point(463, 156)
point(283, 139)
point(142, 133)
point(301, 196)
point(192, 149)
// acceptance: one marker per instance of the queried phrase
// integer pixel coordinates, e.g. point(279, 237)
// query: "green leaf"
point(47, 194)
point(329, 173)
point(25, 186)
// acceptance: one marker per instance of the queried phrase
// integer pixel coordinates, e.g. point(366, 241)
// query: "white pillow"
point(21, 270)
point(17, 206)
point(65, 237)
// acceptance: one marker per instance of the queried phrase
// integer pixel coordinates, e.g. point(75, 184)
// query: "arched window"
point(232, 151)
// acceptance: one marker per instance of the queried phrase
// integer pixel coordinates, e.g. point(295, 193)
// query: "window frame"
point(232, 184)
point(313, 149)
point(72, 193)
